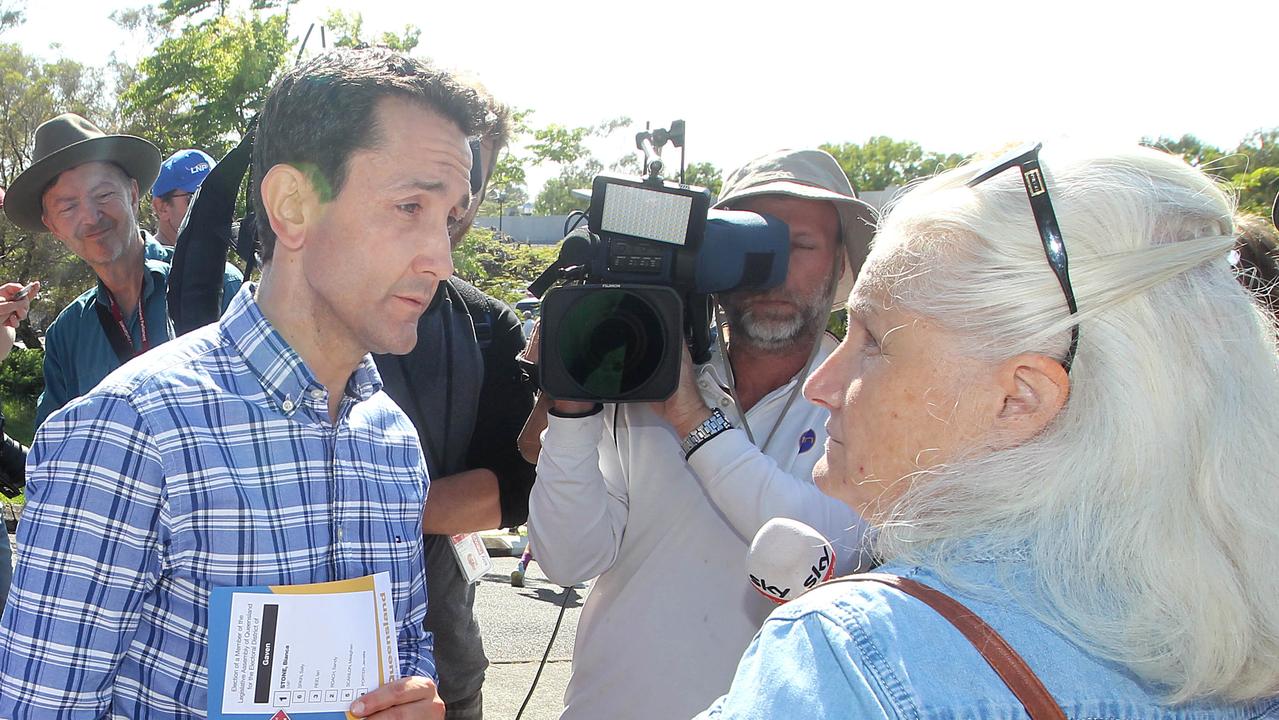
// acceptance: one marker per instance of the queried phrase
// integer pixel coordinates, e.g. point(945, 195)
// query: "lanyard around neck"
point(118, 315)
point(732, 384)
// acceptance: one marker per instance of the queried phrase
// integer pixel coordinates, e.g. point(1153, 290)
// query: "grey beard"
point(772, 334)
point(775, 335)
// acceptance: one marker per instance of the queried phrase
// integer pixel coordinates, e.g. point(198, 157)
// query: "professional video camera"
point(637, 281)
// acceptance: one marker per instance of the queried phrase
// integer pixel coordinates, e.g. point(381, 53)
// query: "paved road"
point(517, 624)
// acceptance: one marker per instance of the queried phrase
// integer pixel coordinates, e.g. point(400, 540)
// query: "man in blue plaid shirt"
point(259, 450)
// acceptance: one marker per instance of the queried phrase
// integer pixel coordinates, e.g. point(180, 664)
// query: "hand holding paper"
point(410, 697)
point(267, 656)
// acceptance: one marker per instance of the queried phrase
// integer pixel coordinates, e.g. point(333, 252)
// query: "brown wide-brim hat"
point(811, 175)
point(64, 142)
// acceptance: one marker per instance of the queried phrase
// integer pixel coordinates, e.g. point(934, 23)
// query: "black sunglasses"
point(1026, 159)
point(477, 165)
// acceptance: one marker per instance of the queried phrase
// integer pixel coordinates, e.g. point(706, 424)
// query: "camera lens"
point(611, 342)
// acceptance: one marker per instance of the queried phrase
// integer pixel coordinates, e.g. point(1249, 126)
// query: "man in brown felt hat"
point(84, 188)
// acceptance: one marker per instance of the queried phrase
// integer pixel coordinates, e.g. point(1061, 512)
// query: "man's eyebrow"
point(54, 198)
point(431, 186)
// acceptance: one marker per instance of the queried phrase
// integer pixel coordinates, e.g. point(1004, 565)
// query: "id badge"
point(472, 557)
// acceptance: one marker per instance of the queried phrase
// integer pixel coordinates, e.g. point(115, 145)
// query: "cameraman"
point(628, 492)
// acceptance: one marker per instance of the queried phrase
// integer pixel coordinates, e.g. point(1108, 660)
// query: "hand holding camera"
point(15, 303)
point(684, 409)
point(635, 285)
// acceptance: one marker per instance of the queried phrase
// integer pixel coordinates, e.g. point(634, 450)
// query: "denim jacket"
point(864, 650)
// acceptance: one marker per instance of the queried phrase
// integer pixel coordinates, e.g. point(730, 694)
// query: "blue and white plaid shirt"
point(210, 461)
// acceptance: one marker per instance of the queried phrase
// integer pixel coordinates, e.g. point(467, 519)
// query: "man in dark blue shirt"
point(84, 188)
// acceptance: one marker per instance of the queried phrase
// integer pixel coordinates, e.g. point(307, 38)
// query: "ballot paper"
point(299, 650)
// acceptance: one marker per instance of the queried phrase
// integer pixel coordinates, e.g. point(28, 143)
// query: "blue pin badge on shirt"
point(807, 441)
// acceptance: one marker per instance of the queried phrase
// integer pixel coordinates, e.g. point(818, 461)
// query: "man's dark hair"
point(321, 112)
point(496, 128)
point(1258, 265)
point(500, 124)
point(498, 119)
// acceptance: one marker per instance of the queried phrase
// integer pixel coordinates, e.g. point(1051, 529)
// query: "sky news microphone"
point(788, 558)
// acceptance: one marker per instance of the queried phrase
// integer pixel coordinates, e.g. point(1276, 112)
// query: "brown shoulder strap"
point(1005, 661)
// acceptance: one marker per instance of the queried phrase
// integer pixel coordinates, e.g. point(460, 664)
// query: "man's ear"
point(1035, 389)
point(289, 201)
point(156, 204)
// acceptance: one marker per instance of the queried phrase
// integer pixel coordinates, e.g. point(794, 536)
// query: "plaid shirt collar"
point(288, 382)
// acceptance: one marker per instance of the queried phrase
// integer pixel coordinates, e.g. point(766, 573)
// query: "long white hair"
point(1150, 506)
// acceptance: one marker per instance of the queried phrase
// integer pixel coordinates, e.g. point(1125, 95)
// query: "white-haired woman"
point(1084, 453)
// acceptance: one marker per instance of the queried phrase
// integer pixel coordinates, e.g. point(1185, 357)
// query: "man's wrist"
point(690, 418)
point(714, 424)
point(575, 409)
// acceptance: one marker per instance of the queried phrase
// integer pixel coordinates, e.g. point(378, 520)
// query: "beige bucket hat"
point(812, 175)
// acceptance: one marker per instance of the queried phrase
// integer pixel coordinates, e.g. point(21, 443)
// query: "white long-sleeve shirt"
point(673, 608)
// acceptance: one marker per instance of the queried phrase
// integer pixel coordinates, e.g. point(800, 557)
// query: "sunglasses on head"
point(1026, 160)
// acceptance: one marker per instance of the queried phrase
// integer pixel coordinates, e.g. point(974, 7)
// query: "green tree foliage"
point(204, 82)
point(567, 148)
point(172, 10)
point(1261, 148)
point(1252, 169)
point(348, 29)
point(1257, 189)
point(556, 197)
point(508, 186)
point(501, 269)
point(1194, 150)
point(23, 372)
point(32, 91)
point(503, 201)
point(11, 15)
point(882, 162)
point(704, 174)
point(558, 144)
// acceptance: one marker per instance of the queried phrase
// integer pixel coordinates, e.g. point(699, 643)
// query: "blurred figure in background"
point(83, 186)
point(1256, 258)
point(13, 456)
point(180, 176)
point(528, 324)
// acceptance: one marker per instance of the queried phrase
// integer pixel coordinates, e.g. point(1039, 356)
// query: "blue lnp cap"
point(184, 170)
